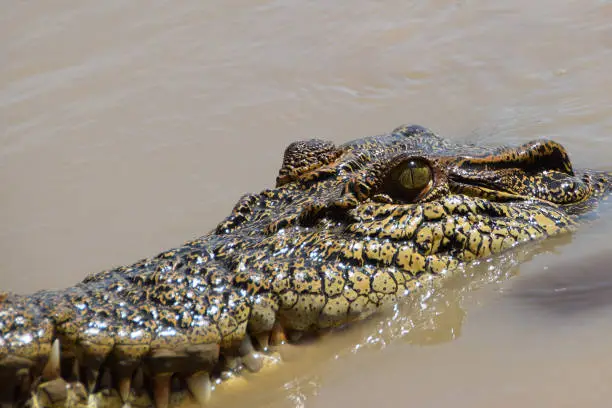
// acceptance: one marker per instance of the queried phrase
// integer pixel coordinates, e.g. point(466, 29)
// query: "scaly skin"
point(338, 239)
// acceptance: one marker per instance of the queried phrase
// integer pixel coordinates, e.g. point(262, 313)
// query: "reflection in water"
point(436, 315)
point(575, 283)
point(429, 318)
point(299, 390)
point(574, 287)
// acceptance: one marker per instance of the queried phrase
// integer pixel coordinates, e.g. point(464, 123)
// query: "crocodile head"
point(346, 231)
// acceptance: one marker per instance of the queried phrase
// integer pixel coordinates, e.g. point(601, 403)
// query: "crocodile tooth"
point(246, 346)
point(253, 362)
point(90, 375)
point(123, 387)
point(231, 363)
point(91, 356)
point(138, 379)
point(105, 379)
point(124, 374)
point(277, 336)
point(200, 386)
point(25, 381)
point(250, 358)
point(76, 369)
point(52, 369)
point(263, 340)
point(161, 389)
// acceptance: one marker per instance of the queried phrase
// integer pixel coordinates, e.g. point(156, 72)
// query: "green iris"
point(409, 180)
point(414, 176)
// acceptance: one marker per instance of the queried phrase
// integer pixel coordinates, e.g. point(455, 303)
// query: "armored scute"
point(346, 231)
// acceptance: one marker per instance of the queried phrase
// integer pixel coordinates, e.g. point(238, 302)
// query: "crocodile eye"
point(414, 176)
point(409, 180)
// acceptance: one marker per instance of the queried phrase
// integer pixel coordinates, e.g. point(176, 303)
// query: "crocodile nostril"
point(534, 157)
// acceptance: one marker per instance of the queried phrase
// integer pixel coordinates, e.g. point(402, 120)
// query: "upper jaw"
point(548, 186)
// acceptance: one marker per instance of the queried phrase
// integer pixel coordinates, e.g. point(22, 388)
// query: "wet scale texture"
point(347, 231)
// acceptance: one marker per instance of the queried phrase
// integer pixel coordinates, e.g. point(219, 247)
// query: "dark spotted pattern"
point(335, 241)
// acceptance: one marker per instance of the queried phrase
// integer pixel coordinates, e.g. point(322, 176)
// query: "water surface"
point(128, 128)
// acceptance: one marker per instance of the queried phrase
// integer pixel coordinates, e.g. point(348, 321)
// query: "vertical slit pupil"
point(408, 180)
point(414, 175)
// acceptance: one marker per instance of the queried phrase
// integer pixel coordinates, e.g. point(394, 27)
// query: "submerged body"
point(346, 231)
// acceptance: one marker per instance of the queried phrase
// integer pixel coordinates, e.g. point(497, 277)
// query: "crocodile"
point(347, 231)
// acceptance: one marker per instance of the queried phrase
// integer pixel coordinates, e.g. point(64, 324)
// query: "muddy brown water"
point(127, 128)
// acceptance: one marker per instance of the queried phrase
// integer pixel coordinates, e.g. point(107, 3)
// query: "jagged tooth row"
point(17, 376)
point(196, 366)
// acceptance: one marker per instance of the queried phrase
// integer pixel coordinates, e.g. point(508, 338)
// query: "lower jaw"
point(158, 380)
